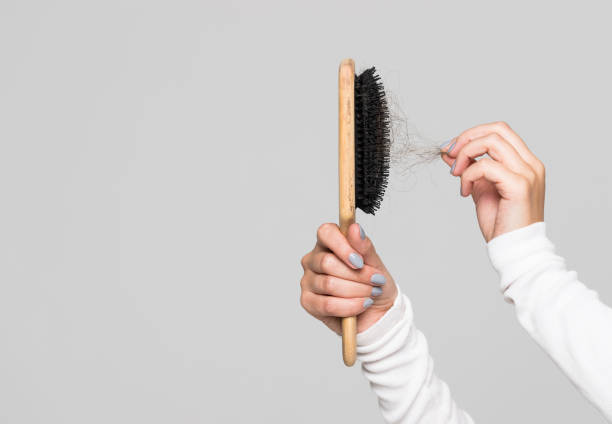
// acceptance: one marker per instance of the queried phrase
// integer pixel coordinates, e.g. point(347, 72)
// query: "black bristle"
point(372, 141)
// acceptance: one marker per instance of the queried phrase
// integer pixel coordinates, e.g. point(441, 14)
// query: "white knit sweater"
point(562, 315)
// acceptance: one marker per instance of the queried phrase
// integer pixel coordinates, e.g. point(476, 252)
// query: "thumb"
point(357, 237)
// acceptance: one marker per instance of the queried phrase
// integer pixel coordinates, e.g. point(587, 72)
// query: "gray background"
point(164, 166)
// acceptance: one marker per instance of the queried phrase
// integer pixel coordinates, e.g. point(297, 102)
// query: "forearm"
point(564, 317)
point(396, 361)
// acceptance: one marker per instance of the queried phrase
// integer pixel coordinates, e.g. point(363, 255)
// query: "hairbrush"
point(364, 144)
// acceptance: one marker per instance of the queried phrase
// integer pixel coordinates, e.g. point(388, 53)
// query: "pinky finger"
point(330, 306)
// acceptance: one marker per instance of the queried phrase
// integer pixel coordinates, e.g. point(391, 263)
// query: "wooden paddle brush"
point(363, 162)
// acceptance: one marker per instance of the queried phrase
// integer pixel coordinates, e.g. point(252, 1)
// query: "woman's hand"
point(507, 187)
point(343, 277)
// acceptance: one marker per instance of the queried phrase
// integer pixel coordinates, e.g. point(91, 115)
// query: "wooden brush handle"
point(346, 171)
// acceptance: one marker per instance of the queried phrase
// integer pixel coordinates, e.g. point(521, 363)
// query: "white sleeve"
point(395, 360)
point(563, 316)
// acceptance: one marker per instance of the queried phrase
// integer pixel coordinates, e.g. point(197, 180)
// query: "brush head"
point(372, 141)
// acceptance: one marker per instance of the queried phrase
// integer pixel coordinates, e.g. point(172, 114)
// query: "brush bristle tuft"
point(372, 141)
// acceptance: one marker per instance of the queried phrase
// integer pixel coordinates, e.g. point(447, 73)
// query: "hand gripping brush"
point(363, 161)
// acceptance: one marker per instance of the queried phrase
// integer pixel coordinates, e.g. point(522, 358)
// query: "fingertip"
point(444, 145)
point(362, 234)
point(446, 158)
point(326, 231)
point(448, 145)
point(378, 279)
point(357, 237)
point(354, 231)
point(353, 236)
point(451, 149)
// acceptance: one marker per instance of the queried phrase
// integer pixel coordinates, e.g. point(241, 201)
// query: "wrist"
point(386, 322)
point(369, 318)
point(517, 252)
point(377, 311)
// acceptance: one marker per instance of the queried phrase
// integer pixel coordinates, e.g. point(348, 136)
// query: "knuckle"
point(495, 138)
point(467, 175)
point(357, 307)
point(540, 169)
point(479, 168)
point(468, 152)
point(327, 307)
point(324, 230)
point(304, 261)
point(327, 283)
point(327, 261)
point(485, 162)
point(503, 125)
point(461, 155)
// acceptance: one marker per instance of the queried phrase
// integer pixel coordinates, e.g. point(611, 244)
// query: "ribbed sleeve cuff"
point(515, 253)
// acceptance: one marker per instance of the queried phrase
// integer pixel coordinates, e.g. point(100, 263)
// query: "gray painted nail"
point(361, 232)
point(376, 291)
point(356, 260)
point(367, 302)
point(378, 279)
point(453, 167)
point(446, 143)
point(451, 147)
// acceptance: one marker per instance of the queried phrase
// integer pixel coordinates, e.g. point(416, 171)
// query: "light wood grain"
point(346, 172)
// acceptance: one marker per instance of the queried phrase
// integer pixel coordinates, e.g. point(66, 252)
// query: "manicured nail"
point(361, 232)
point(446, 143)
point(451, 147)
point(376, 291)
point(453, 167)
point(356, 260)
point(378, 279)
point(367, 302)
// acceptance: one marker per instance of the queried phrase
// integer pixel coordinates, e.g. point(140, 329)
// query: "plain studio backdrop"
point(164, 166)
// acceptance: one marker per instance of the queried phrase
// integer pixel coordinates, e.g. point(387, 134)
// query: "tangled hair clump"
point(409, 148)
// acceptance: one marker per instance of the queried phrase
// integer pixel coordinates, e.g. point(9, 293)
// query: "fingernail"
point(368, 302)
point(376, 291)
point(446, 143)
point(378, 279)
point(356, 260)
point(361, 232)
point(451, 147)
point(453, 167)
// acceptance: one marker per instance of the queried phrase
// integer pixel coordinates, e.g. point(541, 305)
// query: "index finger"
point(503, 130)
point(330, 237)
